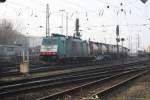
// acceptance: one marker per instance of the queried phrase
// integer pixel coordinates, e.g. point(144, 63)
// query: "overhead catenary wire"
point(55, 11)
point(138, 9)
point(118, 8)
point(36, 10)
point(43, 11)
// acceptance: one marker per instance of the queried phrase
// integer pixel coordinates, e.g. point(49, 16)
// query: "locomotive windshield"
point(49, 45)
point(48, 41)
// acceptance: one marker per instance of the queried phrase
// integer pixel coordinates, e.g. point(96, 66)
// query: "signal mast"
point(77, 33)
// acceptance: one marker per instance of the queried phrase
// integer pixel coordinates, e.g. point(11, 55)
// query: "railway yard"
point(74, 50)
point(94, 81)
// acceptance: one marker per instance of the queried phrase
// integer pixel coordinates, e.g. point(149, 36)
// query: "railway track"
point(45, 68)
point(87, 92)
point(76, 70)
point(60, 76)
point(102, 93)
point(91, 75)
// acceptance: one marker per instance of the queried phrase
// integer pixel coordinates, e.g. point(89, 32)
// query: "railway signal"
point(117, 30)
point(122, 40)
point(77, 33)
point(117, 40)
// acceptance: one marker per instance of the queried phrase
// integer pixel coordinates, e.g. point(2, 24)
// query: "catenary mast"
point(47, 21)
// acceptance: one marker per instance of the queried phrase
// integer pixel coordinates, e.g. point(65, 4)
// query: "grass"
point(138, 90)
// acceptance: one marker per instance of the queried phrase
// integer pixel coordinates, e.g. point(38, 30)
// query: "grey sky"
point(96, 20)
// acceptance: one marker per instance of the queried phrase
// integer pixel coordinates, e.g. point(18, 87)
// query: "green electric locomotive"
point(60, 48)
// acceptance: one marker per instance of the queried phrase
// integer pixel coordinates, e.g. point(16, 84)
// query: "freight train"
point(59, 48)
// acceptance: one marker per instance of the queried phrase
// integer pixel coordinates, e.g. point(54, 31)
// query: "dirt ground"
point(137, 90)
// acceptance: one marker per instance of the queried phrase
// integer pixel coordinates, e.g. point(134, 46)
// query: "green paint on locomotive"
point(67, 47)
point(47, 58)
point(58, 40)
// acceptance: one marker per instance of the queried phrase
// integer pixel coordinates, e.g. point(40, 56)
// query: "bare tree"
point(8, 35)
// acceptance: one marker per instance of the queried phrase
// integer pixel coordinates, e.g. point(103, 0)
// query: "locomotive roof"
point(60, 35)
